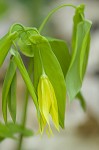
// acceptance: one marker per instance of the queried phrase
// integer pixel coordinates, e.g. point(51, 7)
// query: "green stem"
point(52, 12)
point(30, 69)
point(23, 118)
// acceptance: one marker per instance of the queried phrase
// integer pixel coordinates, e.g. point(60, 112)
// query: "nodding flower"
point(47, 104)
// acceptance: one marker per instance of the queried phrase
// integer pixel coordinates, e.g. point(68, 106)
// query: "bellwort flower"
point(47, 104)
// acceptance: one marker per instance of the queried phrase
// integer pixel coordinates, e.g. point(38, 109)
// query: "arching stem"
point(52, 12)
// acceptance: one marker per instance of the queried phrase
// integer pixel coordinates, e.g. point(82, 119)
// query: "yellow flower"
point(47, 104)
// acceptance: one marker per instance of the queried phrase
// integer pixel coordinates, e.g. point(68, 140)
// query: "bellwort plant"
point(53, 72)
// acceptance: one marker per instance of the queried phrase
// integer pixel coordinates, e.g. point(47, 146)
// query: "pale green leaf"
point(25, 48)
point(43, 55)
point(79, 59)
point(24, 42)
point(61, 51)
point(12, 98)
point(6, 86)
point(16, 27)
point(25, 75)
point(5, 44)
point(78, 17)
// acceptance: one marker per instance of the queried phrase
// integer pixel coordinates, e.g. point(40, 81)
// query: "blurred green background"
point(82, 128)
point(27, 12)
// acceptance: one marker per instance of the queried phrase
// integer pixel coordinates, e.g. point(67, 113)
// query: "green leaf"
point(81, 100)
point(10, 130)
point(4, 132)
point(16, 27)
point(25, 75)
point(61, 51)
point(79, 59)
point(78, 17)
point(26, 48)
point(5, 44)
point(6, 86)
point(12, 98)
point(16, 128)
point(24, 42)
point(84, 54)
point(43, 55)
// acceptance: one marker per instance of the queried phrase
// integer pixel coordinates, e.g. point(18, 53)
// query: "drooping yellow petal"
point(43, 98)
point(54, 107)
point(47, 103)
